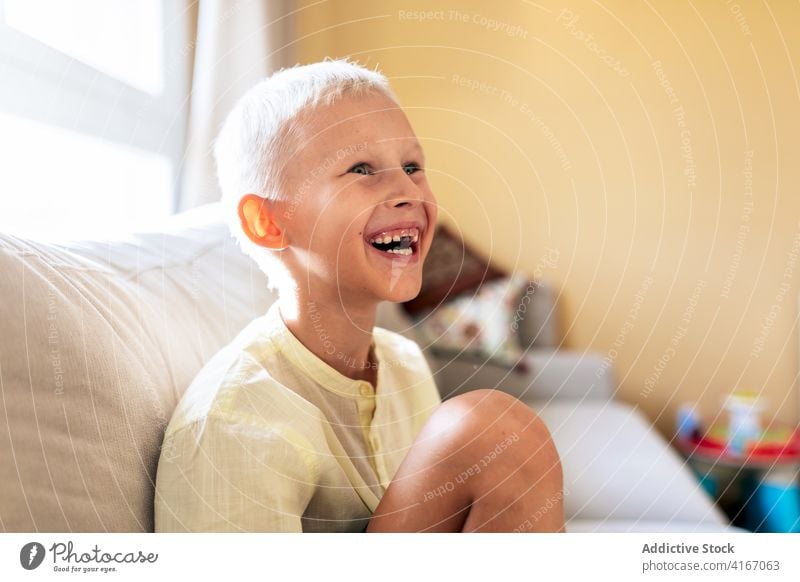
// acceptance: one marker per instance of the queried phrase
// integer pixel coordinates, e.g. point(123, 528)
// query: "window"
point(92, 114)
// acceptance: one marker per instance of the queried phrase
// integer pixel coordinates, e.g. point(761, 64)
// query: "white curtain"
point(236, 44)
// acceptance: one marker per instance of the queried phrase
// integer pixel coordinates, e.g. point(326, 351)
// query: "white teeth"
point(406, 251)
point(384, 238)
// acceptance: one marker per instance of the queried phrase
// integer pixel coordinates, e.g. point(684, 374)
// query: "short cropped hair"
point(255, 138)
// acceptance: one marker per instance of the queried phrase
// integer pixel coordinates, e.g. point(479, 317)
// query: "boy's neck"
point(341, 337)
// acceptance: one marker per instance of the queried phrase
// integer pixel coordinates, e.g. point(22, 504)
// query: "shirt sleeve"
point(428, 398)
point(216, 475)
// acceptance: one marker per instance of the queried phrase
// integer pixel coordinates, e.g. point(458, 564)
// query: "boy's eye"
point(362, 168)
point(411, 168)
point(366, 170)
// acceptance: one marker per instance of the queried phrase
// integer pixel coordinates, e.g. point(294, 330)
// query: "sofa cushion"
point(553, 374)
point(618, 467)
point(100, 339)
point(537, 316)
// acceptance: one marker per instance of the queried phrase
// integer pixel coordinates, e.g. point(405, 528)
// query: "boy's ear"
point(259, 224)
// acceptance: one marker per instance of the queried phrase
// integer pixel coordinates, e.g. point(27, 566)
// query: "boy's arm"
point(220, 476)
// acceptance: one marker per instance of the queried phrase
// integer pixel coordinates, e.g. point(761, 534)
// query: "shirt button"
point(365, 390)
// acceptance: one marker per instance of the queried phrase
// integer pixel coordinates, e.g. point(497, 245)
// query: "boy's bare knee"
point(504, 441)
point(489, 416)
point(488, 409)
point(513, 447)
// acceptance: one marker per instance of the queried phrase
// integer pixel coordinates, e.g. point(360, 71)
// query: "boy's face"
point(359, 214)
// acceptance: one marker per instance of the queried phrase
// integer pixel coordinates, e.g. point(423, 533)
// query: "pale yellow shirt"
point(270, 438)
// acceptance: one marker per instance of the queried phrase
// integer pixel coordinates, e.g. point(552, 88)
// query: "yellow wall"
point(668, 191)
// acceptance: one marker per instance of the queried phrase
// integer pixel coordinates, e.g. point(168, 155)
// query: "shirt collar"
point(319, 370)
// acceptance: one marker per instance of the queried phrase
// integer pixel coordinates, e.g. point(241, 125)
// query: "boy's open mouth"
point(402, 242)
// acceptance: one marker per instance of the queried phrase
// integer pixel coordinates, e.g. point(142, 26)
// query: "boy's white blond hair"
point(251, 148)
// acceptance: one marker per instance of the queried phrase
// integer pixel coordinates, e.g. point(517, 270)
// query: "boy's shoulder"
point(392, 340)
point(240, 366)
point(400, 352)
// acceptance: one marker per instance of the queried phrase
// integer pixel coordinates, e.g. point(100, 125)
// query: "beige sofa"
point(100, 338)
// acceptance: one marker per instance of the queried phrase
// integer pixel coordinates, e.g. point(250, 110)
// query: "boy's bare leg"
point(483, 462)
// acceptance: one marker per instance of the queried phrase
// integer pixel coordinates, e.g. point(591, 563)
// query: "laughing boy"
point(313, 419)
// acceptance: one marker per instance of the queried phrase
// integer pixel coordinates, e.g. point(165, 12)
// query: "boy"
point(312, 419)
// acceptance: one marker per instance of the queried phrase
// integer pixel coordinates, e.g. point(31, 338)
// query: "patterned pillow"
point(479, 325)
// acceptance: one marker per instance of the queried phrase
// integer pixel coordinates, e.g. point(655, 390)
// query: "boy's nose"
point(403, 191)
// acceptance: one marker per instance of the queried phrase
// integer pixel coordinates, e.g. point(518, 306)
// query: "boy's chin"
point(400, 293)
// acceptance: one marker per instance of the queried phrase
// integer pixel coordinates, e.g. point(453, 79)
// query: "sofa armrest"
point(552, 374)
